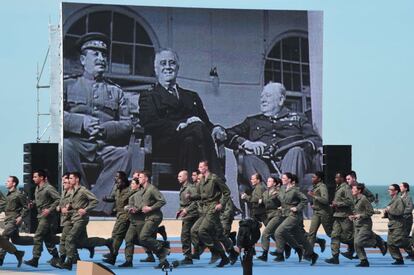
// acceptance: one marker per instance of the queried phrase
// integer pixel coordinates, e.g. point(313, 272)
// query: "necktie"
point(173, 91)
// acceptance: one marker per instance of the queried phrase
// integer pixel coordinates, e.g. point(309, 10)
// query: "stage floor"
point(379, 264)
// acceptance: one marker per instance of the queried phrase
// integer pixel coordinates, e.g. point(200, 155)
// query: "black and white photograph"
point(162, 88)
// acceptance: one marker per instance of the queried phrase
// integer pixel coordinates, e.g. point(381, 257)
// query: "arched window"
point(288, 63)
point(131, 56)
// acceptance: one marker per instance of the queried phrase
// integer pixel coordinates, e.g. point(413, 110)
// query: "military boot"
point(279, 257)
point(162, 232)
point(149, 259)
point(110, 260)
point(233, 256)
point(127, 263)
point(363, 263)
point(91, 252)
point(322, 244)
point(313, 258)
point(333, 260)
point(19, 256)
point(288, 251)
point(263, 257)
point(224, 260)
point(398, 262)
point(33, 262)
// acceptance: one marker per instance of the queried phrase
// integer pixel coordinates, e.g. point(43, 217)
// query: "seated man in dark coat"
point(277, 140)
point(176, 119)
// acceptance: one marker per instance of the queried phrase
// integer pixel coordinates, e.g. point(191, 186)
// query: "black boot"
point(149, 259)
point(288, 251)
point(299, 251)
point(363, 263)
point(348, 254)
point(162, 232)
point(62, 258)
point(398, 262)
point(91, 252)
point(264, 256)
point(187, 260)
point(126, 264)
point(233, 256)
point(110, 260)
point(1, 261)
point(383, 247)
point(232, 237)
point(279, 257)
point(333, 260)
point(162, 265)
point(214, 257)
point(56, 262)
point(224, 260)
point(109, 245)
point(322, 244)
point(68, 264)
point(19, 256)
point(33, 262)
point(314, 257)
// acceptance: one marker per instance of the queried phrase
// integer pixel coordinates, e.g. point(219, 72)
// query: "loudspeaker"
point(336, 158)
point(90, 268)
point(41, 156)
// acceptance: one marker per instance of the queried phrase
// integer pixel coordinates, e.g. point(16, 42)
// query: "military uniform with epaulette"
point(342, 229)
point(397, 237)
point(363, 234)
point(46, 197)
point(86, 98)
point(212, 191)
point(272, 206)
point(322, 212)
point(14, 205)
point(258, 211)
point(187, 191)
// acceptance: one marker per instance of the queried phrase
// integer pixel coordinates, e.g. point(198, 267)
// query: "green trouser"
point(364, 237)
point(223, 239)
point(408, 223)
point(226, 224)
point(269, 230)
point(147, 236)
point(397, 239)
point(119, 232)
point(45, 232)
point(132, 238)
point(318, 218)
point(63, 237)
point(286, 233)
point(78, 238)
point(11, 231)
point(203, 232)
point(7, 246)
point(186, 225)
point(303, 239)
point(342, 232)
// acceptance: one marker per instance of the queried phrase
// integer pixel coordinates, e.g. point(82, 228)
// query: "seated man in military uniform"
point(96, 119)
point(275, 141)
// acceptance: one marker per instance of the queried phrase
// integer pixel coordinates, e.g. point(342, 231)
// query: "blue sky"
point(368, 60)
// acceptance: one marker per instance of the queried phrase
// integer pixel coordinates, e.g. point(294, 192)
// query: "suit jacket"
point(161, 112)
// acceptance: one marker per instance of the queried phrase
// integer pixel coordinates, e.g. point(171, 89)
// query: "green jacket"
point(292, 197)
point(65, 200)
point(254, 198)
point(46, 197)
point(408, 212)
point(15, 205)
point(396, 213)
point(321, 198)
point(271, 202)
point(134, 201)
point(121, 198)
point(228, 211)
point(364, 208)
point(343, 200)
point(152, 197)
point(82, 198)
point(188, 203)
point(212, 191)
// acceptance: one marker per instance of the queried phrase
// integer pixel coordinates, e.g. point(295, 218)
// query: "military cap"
point(93, 40)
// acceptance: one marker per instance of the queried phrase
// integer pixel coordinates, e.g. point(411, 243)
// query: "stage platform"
point(379, 264)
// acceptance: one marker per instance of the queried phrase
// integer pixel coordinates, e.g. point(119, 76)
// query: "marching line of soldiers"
point(207, 212)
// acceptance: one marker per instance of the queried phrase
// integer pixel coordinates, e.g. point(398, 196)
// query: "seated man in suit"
point(277, 140)
point(176, 119)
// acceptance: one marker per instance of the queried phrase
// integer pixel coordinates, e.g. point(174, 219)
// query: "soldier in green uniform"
point(397, 237)
point(273, 213)
point(408, 212)
point(351, 179)
point(363, 234)
point(96, 120)
point(188, 212)
point(322, 212)
point(120, 196)
point(81, 203)
point(214, 194)
point(291, 231)
point(258, 211)
point(342, 229)
point(46, 201)
point(14, 206)
point(148, 201)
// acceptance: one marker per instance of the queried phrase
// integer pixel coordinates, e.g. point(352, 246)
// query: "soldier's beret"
point(93, 40)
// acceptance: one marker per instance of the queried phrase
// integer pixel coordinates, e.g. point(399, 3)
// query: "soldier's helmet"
point(93, 40)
